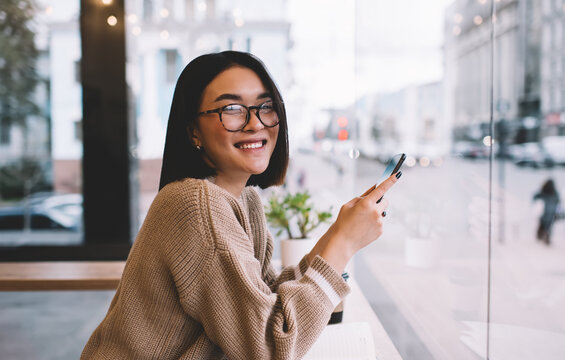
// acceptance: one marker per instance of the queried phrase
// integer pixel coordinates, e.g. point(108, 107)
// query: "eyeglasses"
point(234, 117)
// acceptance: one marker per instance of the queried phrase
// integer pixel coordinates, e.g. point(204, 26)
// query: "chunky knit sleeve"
point(288, 273)
point(239, 311)
point(248, 321)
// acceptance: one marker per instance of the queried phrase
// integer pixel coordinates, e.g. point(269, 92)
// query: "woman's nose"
point(254, 124)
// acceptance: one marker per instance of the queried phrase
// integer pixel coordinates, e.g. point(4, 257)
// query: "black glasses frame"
point(257, 108)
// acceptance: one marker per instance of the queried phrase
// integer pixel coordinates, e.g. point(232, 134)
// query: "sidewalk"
point(446, 301)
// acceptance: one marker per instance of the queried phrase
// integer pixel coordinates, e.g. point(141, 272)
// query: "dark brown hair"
point(548, 187)
point(180, 158)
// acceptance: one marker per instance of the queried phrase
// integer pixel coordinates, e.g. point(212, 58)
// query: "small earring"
point(198, 147)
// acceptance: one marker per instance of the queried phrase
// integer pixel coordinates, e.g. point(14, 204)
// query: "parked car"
point(530, 154)
point(46, 211)
point(555, 147)
point(471, 150)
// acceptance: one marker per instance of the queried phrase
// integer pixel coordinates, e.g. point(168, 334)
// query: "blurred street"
point(431, 265)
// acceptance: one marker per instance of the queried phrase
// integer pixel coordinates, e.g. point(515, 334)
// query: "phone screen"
point(392, 167)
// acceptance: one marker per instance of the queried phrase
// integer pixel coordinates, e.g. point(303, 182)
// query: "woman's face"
point(235, 155)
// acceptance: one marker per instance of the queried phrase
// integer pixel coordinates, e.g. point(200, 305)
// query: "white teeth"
point(251, 146)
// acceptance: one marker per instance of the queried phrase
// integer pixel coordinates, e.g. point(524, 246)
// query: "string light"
point(112, 20)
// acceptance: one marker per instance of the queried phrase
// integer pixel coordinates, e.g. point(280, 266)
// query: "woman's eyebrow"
point(236, 97)
point(264, 95)
point(227, 97)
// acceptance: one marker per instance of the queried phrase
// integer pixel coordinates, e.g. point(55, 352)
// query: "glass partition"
point(423, 73)
point(41, 124)
point(471, 90)
point(528, 231)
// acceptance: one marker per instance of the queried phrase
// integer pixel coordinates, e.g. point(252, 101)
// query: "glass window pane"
point(527, 237)
point(40, 134)
point(423, 87)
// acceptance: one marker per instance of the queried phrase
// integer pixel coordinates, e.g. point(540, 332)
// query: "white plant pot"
point(293, 250)
point(421, 252)
point(466, 290)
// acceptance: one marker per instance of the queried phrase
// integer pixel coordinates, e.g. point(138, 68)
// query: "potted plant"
point(293, 214)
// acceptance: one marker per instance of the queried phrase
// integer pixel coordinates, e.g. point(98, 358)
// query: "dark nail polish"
point(398, 174)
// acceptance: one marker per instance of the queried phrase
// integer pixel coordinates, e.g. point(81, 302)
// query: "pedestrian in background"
point(551, 208)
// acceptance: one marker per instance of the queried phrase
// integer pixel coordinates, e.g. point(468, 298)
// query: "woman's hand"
point(359, 223)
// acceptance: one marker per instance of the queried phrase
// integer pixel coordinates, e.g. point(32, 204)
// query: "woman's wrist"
point(334, 249)
point(337, 254)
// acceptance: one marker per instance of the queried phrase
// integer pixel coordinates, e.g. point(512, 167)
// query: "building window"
point(147, 9)
point(77, 71)
point(78, 130)
point(171, 65)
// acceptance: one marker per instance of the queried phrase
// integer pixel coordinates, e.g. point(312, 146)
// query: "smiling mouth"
point(251, 145)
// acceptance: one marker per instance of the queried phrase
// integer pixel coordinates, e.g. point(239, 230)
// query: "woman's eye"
point(267, 106)
point(233, 108)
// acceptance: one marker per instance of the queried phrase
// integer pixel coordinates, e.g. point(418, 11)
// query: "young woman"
point(199, 283)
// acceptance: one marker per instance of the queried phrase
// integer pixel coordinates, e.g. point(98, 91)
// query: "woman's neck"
point(233, 185)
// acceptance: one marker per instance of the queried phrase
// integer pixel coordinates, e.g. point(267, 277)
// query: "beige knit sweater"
point(199, 284)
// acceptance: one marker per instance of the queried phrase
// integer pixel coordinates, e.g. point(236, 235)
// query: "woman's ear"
point(194, 136)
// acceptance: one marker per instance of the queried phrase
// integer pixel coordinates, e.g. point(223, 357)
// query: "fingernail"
point(398, 174)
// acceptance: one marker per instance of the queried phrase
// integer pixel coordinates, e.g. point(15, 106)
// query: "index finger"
point(383, 187)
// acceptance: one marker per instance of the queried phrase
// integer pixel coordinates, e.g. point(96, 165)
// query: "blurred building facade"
point(553, 66)
point(468, 67)
point(162, 36)
point(469, 62)
point(59, 38)
point(410, 119)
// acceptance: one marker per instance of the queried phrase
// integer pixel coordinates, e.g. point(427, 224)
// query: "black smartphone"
point(392, 167)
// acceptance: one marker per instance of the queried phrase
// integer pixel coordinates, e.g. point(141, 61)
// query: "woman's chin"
point(257, 170)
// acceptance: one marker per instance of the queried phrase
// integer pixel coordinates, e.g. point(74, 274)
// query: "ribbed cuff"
point(301, 268)
point(331, 283)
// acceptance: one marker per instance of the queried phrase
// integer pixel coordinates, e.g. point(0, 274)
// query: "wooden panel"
point(88, 275)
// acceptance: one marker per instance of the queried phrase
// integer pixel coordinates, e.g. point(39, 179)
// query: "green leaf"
point(282, 211)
